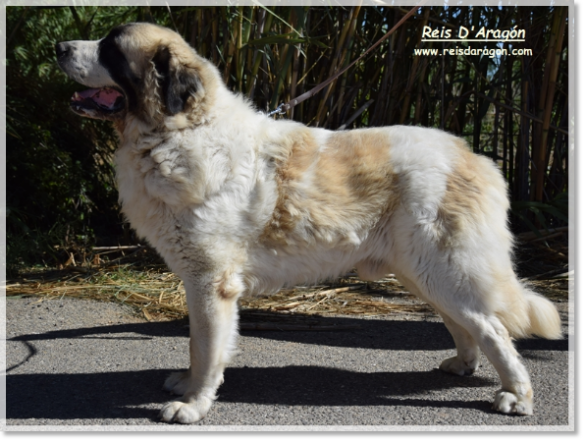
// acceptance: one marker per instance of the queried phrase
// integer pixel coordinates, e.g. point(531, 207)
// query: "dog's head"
point(140, 69)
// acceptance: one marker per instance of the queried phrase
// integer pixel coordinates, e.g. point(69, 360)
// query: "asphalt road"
point(73, 363)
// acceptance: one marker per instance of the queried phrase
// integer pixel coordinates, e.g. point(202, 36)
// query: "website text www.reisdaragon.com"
point(491, 52)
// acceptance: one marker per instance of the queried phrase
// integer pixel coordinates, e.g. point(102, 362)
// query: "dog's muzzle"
point(80, 61)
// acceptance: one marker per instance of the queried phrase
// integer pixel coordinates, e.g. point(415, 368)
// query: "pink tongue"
point(105, 96)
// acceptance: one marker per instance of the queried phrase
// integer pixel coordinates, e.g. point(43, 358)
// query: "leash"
point(285, 107)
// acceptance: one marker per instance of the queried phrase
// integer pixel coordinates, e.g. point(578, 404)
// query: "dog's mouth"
point(101, 103)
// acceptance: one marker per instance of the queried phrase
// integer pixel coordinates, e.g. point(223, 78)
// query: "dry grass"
point(346, 296)
point(158, 295)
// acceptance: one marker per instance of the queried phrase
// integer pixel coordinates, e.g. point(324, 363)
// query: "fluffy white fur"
point(238, 203)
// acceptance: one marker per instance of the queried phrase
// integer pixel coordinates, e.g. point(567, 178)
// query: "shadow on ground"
point(120, 394)
point(371, 333)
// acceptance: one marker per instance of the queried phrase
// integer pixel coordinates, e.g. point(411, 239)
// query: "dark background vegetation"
point(61, 194)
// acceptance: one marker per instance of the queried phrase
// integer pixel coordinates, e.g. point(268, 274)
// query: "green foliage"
point(546, 215)
point(59, 175)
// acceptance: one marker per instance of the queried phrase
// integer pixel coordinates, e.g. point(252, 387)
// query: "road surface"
point(75, 363)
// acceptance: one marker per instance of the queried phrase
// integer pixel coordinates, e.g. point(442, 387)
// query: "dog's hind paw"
point(456, 366)
point(510, 403)
point(188, 412)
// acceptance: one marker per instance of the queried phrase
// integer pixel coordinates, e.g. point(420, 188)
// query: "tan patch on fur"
point(140, 44)
point(466, 192)
point(302, 152)
point(334, 193)
point(356, 168)
point(228, 287)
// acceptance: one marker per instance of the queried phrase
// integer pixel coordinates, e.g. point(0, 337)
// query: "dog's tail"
point(530, 314)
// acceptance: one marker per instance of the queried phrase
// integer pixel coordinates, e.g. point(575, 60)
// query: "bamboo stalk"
point(383, 99)
point(418, 103)
point(537, 155)
point(238, 46)
point(558, 180)
point(286, 59)
point(413, 71)
point(522, 155)
point(228, 45)
point(551, 89)
point(356, 114)
point(344, 58)
point(336, 66)
point(214, 35)
point(262, 20)
point(509, 128)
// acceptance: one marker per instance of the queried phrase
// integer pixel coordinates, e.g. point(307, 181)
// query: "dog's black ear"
point(177, 82)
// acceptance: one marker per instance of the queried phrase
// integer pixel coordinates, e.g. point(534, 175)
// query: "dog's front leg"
point(213, 320)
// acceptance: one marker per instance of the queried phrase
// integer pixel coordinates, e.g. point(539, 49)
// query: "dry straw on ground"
point(157, 294)
point(160, 294)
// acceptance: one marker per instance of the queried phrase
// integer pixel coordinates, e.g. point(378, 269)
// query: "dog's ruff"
point(238, 203)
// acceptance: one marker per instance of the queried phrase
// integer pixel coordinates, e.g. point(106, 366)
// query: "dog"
point(238, 203)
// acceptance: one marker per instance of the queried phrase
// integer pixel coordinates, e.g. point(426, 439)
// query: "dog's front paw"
point(456, 366)
point(509, 403)
point(188, 412)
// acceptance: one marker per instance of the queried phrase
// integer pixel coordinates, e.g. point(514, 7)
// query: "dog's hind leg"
point(467, 359)
point(515, 396)
point(213, 320)
point(474, 325)
point(486, 329)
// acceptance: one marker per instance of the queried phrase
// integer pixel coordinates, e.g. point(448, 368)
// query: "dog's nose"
point(62, 49)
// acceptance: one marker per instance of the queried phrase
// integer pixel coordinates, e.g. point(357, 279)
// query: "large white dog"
point(239, 203)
